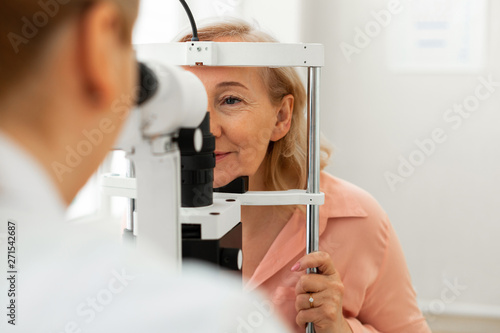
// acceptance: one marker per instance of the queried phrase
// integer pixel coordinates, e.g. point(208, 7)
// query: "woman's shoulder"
point(354, 200)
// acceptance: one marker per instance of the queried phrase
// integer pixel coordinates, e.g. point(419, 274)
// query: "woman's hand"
point(326, 290)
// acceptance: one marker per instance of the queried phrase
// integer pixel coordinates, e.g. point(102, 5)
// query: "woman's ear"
point(283, 118)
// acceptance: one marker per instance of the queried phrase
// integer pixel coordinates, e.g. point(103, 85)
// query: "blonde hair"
point(25, 25)
point(285, 163)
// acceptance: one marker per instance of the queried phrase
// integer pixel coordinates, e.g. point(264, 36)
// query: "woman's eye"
point(231, 100)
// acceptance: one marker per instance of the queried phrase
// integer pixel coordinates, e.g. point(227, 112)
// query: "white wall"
point(160, 20)
point(280, 18)
point(447, 213)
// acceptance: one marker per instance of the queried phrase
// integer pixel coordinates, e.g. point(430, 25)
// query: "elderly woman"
point(363, 285)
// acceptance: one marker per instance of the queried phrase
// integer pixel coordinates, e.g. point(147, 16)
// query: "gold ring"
point(311, 300)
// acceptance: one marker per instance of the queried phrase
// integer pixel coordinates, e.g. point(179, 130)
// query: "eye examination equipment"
point(166, 125)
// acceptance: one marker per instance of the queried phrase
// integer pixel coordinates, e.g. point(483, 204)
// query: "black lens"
point(148, 84)
point(197, 168)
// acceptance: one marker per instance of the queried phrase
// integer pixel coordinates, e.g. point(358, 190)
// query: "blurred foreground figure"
point(67, 77)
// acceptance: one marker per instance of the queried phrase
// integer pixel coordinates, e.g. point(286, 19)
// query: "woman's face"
point(243, 119)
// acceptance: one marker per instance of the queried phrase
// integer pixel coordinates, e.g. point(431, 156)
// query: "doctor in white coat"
point(67, 76)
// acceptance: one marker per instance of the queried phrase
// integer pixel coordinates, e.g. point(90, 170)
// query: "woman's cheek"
point(252, 158)
point(264, 136)
point(258, 147)
point(250, 138)
point(256, 139)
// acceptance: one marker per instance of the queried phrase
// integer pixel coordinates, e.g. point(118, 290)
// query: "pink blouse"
point(365, 250)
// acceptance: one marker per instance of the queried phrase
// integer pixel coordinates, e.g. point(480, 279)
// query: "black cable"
point(191, 20)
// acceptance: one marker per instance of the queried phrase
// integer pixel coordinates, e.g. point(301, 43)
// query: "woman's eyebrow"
point(231, 84)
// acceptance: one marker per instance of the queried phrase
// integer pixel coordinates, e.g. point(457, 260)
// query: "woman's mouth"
point(219, 156)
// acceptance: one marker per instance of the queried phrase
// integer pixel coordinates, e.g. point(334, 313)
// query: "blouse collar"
point(340, 202)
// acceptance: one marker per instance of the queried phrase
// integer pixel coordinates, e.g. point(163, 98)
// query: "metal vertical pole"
point(313, 170)
point(131, 202)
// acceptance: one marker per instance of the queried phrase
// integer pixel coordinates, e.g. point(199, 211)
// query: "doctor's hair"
point(286, 159)
point(26, 27)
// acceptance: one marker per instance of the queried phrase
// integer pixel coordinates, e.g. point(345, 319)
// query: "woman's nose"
point(215, 126)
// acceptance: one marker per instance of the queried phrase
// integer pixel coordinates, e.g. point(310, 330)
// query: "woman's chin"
point(222, 177)
point(218, 184)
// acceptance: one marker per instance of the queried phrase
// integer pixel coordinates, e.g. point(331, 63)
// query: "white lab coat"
point(80, 278)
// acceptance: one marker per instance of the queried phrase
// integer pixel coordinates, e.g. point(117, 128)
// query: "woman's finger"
point(322, 317)
point(308, 316)
point(319, 259)
point(314, 283)
point(310, 301)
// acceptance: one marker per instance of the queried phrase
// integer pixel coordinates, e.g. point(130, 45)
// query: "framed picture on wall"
point(438, 36)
